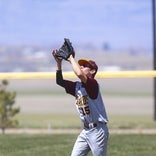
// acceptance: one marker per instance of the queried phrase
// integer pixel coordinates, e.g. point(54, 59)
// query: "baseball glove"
point(66, 50)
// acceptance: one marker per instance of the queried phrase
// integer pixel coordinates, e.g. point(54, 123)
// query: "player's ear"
point(93, 71)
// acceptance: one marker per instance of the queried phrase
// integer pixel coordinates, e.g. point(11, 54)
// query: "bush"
point(7, 111)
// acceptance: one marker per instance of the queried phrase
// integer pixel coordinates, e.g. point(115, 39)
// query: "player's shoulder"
point(92, 81)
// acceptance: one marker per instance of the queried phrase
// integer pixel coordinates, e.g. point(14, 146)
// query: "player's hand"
point(57, 59)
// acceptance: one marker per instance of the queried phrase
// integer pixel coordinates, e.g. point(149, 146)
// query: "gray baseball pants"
point(94, 140)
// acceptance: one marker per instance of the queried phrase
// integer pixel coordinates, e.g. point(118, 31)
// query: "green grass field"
point(56, 121)
point(61, 145)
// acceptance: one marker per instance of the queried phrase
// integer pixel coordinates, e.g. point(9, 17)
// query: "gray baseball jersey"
point(89, 110)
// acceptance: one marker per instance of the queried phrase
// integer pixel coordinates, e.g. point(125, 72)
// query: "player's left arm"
point(77, 70)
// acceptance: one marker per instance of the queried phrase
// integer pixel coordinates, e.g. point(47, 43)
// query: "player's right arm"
point(68, 85)
point(59, 77)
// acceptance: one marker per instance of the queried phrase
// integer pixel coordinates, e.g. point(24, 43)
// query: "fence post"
point(154, 51)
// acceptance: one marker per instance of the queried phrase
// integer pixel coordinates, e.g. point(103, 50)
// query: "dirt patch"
point(76, 131)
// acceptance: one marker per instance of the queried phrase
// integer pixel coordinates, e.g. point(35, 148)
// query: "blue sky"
point(121, 23)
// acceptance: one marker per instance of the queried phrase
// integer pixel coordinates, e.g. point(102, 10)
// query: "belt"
point(92, 125)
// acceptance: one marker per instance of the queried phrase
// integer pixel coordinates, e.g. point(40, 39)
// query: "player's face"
point(86, 69)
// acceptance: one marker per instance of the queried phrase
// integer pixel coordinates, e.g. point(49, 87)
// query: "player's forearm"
point(75, 66)
point(77, 70)
point(59, 66)
point(59, 78)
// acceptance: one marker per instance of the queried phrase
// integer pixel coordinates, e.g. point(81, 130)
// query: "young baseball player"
point(89, 104)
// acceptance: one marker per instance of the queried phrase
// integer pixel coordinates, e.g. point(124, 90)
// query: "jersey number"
point(84, 110)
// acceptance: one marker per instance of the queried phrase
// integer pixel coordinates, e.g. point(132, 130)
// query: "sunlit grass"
point(62, 144)
point(72, 121)
point(48, 121)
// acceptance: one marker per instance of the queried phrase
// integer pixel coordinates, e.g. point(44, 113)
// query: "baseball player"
point(89, 104)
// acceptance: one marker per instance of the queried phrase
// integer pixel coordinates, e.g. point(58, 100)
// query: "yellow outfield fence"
point(100, 74)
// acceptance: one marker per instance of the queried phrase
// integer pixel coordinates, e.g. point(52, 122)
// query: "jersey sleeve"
point(91, 87)
point(70, 87)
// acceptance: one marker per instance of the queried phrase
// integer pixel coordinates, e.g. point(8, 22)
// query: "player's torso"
point(89, 110)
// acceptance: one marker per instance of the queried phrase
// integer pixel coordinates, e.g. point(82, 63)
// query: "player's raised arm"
point(84, 69)
point(77, 69)
point(59, 77)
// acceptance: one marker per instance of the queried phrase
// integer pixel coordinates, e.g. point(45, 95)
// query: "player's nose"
point(81, 67)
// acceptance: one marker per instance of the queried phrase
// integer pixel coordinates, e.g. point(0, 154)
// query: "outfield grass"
point(61, 145)
point(55, 121)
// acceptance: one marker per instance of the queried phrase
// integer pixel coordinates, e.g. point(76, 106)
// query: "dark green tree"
point(7, 109)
